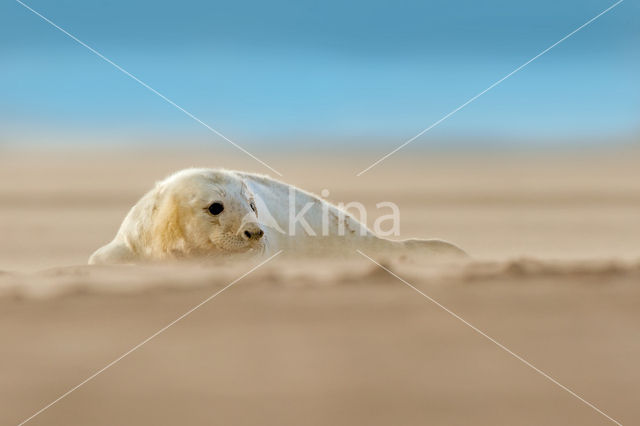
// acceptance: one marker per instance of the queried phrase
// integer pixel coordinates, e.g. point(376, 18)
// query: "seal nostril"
point(247, 234)
point(260, 233)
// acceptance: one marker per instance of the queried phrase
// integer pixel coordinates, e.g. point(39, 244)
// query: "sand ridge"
point(295, 271)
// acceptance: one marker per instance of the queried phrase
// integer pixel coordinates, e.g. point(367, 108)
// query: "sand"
point(555, 277)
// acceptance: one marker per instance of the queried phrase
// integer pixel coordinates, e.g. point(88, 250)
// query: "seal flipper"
point(113, 253)
point(434, 248)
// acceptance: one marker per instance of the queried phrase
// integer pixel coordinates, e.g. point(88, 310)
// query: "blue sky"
point(311, 72)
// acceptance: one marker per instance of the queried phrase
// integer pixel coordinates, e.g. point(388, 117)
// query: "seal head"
point(195, 212)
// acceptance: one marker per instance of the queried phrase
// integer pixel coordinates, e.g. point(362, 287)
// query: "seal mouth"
point(240, 245)
point(257, 246)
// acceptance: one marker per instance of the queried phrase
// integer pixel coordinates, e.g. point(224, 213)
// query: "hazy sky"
point(311, 71)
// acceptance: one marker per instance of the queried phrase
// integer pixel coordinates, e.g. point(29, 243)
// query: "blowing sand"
point(555, 277)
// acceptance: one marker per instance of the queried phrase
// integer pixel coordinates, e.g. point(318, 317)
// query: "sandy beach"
point(554, 277)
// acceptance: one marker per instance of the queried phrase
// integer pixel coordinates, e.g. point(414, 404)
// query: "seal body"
point(213, 212)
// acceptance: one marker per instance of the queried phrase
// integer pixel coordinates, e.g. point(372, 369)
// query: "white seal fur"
point(177, 219)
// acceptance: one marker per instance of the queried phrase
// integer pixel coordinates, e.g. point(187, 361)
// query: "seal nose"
point(252, 232)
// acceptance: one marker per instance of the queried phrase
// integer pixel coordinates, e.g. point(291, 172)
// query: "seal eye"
point(216, 208)
point(253, 206)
